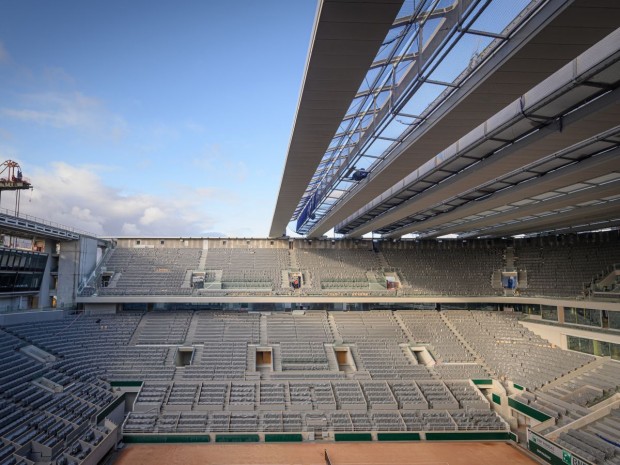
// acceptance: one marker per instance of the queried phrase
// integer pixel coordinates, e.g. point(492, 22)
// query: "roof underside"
point(524, 140)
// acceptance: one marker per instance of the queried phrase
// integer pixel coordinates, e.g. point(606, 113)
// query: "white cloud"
point(70, 110)
point(83, 214)
point(152, 215)
point(76, 196)
point(130, 229)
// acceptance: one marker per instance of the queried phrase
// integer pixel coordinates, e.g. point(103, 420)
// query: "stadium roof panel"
point(538, 45)
point(335, 66)
point(509, 148)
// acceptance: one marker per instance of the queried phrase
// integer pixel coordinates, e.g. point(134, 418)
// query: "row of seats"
point(343, 420)
point(251, 267)
point(310, 395)
point(309, 327)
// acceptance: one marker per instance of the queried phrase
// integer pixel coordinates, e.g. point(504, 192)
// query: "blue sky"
point(152, 118)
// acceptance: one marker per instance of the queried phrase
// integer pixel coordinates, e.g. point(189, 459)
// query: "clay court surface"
point(471, 453)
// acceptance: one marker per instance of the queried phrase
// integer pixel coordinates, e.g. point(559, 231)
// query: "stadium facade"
point(465, 155)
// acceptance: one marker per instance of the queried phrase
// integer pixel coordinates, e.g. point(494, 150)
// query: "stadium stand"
point(311, 327)
point(445, 268)
point(224, 327)
point(429, 327)
point(249, 268)
point(583, 389)
point(200, 375)
point(514, 352)
point(337, 268)
point(150, 271)
point(544, 164)
point(48, 406)
point(597, 442)
point(563, 266)
point(220, 389)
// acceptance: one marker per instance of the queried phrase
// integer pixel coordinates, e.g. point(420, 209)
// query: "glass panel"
point(592, 347)
point(498, 15)
point(527, 309)
point(572, 342)
point(4, 259)
point(582, 316)
point(549, 312)
point(601, 348)
point(593, 317)
point(570, 314)
point(614, 320)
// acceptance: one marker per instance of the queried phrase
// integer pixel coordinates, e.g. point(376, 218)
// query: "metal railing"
point(53, 224)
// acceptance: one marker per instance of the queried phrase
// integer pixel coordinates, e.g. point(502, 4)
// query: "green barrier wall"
point(164, 438)
point(480, 382)
point(469, 436)
point(519, 387)
point(527, 410)
point(106, 411)
point(237, 438)
point(353, 437)
point(283, 438)
point(398, 436)
point(125, 383)
point(496, 399)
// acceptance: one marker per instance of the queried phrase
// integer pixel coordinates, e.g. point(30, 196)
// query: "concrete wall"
point(30, 317)
point(242, 243)
point(238, 243)
point(76, 261)
point(100, 309)
point(68, 268)
point(160, 242)
point(45, 300)
point(13, 303)
point(88, 256)
point(201, 243)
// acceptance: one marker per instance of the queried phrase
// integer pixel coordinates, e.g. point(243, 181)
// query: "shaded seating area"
point(445, 268)
point(564, 266)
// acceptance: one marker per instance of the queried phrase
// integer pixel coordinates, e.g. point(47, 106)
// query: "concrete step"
point(191, 331)
point(403, 326)
point(478, 357)
point(139, 329)
point(332, 361)
point(334, 328)
point(263, 333)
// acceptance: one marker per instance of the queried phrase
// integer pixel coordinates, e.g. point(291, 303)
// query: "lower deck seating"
point(47, 404)
point(247, 374)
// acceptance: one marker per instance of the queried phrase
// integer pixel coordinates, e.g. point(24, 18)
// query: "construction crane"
point(11, 179)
